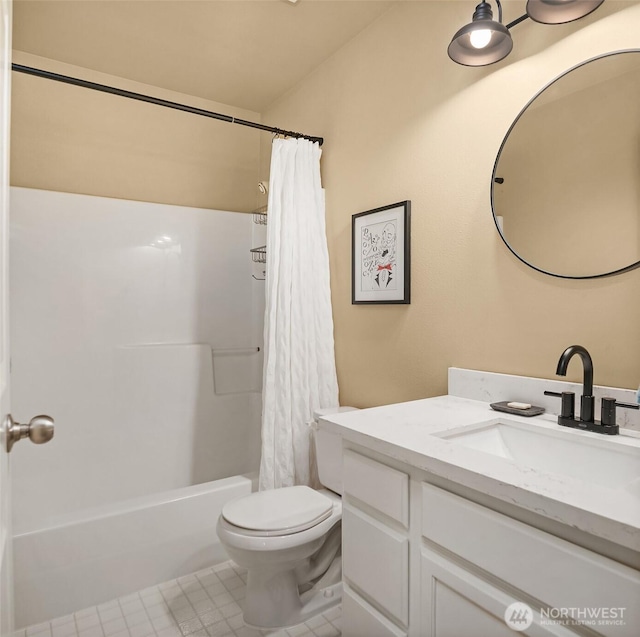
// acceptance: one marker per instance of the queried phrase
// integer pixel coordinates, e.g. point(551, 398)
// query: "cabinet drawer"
point(375, 560)
point(361, 620)
point(377, 485)
point(552, 570)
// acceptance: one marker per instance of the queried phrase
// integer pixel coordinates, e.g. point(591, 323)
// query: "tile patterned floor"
point(205, 604)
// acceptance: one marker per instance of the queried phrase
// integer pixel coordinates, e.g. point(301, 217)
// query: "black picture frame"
point(381, 255)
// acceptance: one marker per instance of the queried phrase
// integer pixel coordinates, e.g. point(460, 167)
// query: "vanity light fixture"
point(485, 41)
point(560, 11)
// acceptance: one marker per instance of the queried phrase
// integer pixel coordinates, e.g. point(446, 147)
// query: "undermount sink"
point(603, 462)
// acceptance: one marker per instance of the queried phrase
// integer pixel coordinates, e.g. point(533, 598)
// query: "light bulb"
point(480, 38)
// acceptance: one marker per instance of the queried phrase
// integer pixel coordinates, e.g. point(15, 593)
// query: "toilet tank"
point(329, 451)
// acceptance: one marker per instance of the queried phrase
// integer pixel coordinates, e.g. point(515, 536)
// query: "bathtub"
point(103, 553)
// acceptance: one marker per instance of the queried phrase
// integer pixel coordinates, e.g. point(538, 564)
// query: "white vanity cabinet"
point(421, 561)
point(375, 548)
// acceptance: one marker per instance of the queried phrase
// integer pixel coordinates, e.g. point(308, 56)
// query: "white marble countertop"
point(405, 431)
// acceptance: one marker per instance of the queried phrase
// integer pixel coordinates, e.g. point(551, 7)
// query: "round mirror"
point(566, 183)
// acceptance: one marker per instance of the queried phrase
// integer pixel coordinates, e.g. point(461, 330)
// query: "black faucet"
point(586, 422)
point(586, 402)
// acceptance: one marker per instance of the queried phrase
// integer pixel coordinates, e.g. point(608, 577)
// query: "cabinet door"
point(458, 603)
point(375, 559)
point(557, 573)
point(359, 619)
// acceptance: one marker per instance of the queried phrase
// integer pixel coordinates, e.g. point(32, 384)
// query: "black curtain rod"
point(29, 70)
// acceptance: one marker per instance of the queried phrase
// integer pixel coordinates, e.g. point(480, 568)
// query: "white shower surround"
point(112, 330)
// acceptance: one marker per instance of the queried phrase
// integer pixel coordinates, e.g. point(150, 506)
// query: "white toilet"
point(289, 541)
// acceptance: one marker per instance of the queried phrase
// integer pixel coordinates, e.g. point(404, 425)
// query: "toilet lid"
point(287, 510)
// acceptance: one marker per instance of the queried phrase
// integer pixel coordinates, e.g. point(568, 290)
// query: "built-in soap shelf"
point(236, 370)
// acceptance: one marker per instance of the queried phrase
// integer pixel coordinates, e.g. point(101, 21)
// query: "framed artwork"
point(380, 257)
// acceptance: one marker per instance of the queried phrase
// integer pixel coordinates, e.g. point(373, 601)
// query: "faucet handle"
point(567, 409)
point(609, 409)
point(628, 405)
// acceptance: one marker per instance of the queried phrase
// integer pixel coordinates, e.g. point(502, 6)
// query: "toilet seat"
point(278, 511)
point(270, 543)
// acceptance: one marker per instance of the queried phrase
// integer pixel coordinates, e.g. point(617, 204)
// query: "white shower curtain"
point(299, 366)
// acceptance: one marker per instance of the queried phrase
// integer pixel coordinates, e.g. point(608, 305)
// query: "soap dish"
point(503, 406)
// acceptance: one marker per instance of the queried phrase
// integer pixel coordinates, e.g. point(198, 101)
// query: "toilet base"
point(309, 604)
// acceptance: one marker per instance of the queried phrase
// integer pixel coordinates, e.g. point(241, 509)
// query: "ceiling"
point(244, 53)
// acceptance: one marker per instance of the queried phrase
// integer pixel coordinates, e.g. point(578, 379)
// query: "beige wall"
point(403, 122)
point(76, 140)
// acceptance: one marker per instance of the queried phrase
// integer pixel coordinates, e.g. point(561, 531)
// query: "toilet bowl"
point(289, 541)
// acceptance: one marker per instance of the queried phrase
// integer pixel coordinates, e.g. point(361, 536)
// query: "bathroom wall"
point(137, 327)
point(401, 121)
point(76, 140)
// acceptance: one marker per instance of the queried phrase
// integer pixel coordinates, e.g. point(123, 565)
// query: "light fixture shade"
point(462, 51)
point(560, 11)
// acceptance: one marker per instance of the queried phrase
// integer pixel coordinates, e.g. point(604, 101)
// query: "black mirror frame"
point(494, 177)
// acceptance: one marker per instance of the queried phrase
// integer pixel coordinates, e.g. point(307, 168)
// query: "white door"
point(6, 584)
